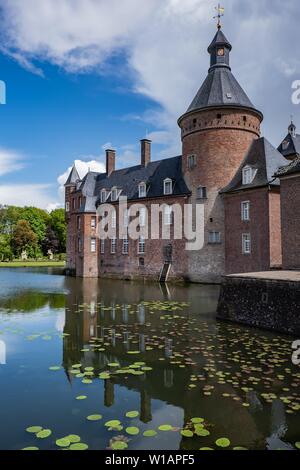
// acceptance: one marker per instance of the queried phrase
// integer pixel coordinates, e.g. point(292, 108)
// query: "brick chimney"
point(110, 161)
point(145, 152)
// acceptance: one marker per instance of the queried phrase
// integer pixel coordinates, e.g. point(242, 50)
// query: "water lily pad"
point(94, 417)
point(206, 448)
point(113, 423)
point(113, 364)
point(132, 430)
point(132, 414)
point(119, 445)
point(197, 420)
point(297, 445)
point(87, 381)
point(150, 433)
point(223, 442)
point(30, 448)
point(165, 427)
point(187, 433)
point(54, 368)
point(202, 432)
point(73, 438)
point(240, 448)
point(104, 375)
point(44, 433)
point(64, 442)
point(79, 446)
point(34, 429)
point(81, 397)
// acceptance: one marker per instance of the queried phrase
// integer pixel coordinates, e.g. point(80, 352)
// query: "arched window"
point(168, 215)
point(103, 196)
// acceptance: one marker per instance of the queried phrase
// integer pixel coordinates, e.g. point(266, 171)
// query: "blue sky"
point(85, 74)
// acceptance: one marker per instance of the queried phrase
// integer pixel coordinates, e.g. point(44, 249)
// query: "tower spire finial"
point(220, 11)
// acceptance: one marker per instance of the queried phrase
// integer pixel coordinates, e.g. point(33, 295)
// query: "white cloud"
point(10, 161)
point(38, 195)
point(165, 45)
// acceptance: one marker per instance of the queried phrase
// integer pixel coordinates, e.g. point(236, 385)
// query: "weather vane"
point(220, 11)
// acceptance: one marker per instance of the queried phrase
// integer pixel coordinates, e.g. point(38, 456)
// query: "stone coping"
point(288, 276)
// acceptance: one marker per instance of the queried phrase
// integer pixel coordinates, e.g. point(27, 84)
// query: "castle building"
point(226, 168)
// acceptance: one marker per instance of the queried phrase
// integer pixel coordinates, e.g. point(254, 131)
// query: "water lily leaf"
point(150, 433)
point(54, 368)
point(132, 414)
point(73, 438)
point(104, 375)
point(30, 448)
point(297, 445)
point(202, 432)
point(79, 446)
point(165, 427)
point(240, 448)
point(187, 433)
point(81, 397)
point(223, 442)
point(119, 445)
point(113, 364)
point(44, 433)
point(94, 417)
point(34, 429)
point(89, 369)
point(64, 442)
point(132, 430)
point(197, 420)
point(206, 448)
point(113, 423)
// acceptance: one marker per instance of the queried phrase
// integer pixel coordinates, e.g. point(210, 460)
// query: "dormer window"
point(103, 196)
point(248, 175)
point(168, 187)
point(114, 194)
point(142, 190)
point(285, 145)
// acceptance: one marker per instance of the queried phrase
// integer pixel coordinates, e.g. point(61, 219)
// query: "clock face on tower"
point(220, 52)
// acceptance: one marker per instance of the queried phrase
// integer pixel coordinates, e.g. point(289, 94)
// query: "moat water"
point(110, 364)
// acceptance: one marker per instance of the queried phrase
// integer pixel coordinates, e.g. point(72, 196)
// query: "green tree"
point(38, 220)
point(58, 225)
point(6, 253)
point(50, 242)
point(24, 238)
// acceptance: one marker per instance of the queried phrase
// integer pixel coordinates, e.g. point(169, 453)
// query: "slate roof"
point(292, 168)
point(73, 176)
point(128, 180)
point(220, 88)
point(219, 40)
point(263, 158)
point(292, 147)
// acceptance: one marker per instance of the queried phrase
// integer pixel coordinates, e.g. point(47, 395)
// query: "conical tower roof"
point(73, 176)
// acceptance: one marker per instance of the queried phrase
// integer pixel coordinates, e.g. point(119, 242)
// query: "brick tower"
point(217, 130)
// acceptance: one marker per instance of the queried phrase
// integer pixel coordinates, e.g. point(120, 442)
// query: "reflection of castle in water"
point(118, 314)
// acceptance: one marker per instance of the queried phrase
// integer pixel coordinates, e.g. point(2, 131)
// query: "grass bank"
point(33, 264)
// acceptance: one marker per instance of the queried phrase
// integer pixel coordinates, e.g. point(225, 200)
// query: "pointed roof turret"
point(73, 176)
point(290, 146)
point(220, 88)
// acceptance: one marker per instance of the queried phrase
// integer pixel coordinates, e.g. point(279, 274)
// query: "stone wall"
point(267, 304)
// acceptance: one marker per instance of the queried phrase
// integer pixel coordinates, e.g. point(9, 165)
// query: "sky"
point(85, 75)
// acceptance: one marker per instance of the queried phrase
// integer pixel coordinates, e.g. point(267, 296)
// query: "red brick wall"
point(275, 229)
point(258, 227)
point(290, 220)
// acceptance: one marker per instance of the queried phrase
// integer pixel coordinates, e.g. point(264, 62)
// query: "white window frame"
point(245, 210)
point(103, 196)
point(168, 213)
point(102, 246)
point(202, 192)
point(142, 216)
point(141, 246)
point(248, 173)
point(114, 194)
point(168, 183)
point(214, 238)
point(113, 246)
point(125, 246)
point(246, 244)
point(93, 245)
point(67, 206)
point(142, 190)
point(93, 222)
